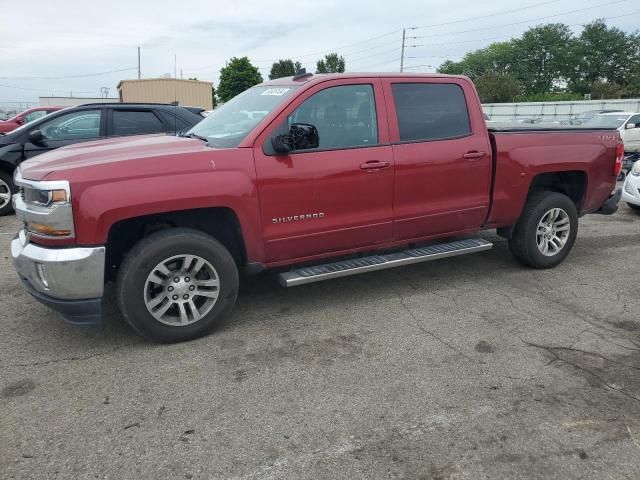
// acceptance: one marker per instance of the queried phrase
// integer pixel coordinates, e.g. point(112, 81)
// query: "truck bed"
point(520, 154)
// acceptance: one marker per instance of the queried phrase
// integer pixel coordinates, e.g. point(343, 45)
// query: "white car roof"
point(618, 113)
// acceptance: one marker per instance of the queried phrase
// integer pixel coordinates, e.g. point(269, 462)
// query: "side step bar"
point(354, 266)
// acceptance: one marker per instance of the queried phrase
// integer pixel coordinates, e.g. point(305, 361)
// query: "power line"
point(85, 75)
point(527, 21)
point(502, 37)
point(41, 90)
point(504, 12)
point(331, 50)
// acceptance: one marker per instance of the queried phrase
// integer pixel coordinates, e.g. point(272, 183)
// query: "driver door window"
point(73, 126)
point(345, 117)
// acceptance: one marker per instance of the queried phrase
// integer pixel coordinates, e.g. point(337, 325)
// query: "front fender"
point(99, 206)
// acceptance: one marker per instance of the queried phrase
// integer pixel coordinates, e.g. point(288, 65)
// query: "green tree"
point(497, 87)
point(331, 63)
point(284, 68)
point(545, 56)
point(236, 77)
point(603, 54)
point(633, 84)
point(601, 90)
point(496, 58)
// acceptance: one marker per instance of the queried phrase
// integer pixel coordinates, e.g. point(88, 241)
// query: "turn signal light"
point(41, 229)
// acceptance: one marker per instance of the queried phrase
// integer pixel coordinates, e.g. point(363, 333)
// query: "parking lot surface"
point(466, 368)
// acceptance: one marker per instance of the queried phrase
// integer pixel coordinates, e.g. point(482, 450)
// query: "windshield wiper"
point(195, 135)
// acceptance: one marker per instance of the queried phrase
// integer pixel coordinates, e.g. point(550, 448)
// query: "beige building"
point(189, 93)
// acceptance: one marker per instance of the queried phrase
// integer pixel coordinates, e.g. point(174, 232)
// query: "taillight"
point(617, 167)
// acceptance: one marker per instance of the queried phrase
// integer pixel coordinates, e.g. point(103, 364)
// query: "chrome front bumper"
point(60, 273)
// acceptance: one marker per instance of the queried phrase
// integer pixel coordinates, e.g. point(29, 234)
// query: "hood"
point(7, 126)
point(109, 152)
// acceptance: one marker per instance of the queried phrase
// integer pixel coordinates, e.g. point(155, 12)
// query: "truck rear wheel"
point(176, 284)
point(546, 231)
point(7, 188)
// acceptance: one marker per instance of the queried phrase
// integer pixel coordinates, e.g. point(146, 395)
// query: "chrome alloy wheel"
point(181, 290)
point(5, 194)
point(553, 232)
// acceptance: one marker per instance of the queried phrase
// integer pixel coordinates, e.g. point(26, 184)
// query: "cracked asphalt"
point(466, 368)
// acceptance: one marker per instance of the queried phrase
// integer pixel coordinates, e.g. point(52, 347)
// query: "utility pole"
point(404, 33)
point(175, 65)
point(138, 62)
point(404, 45)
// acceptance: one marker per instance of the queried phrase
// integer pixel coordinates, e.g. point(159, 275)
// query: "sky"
point(66, 47)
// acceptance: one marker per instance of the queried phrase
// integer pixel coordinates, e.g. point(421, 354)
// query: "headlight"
point(635, 170)
point(45, 198)
point(45, 207)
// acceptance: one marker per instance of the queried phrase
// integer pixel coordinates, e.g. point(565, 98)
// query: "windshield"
point(229, 124)
point(611, 121)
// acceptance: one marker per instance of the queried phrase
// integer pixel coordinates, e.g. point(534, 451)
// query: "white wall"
point(549, 111)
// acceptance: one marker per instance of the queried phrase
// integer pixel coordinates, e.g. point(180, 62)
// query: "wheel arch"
point(222, 223)
point(572, 183)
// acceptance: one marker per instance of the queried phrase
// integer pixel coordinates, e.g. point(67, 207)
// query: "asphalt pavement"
point(466, 368)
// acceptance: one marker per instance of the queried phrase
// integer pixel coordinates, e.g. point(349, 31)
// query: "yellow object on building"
point(188, 93)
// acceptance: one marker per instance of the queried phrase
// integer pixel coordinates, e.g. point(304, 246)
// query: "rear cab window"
point(135, 122)
point(430, 111)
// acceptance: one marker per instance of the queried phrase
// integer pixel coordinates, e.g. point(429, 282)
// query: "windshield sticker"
point(276, 92)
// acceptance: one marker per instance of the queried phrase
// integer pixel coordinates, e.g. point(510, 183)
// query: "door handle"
point(374, 165)
point(473, 155)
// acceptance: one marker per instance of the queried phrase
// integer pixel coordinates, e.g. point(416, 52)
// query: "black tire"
point(634, 207)
point(146, 255)
point(523, 244)
point(6, 179)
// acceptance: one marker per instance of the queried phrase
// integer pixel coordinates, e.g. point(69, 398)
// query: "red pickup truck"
point(319, 176)
point(27, 116)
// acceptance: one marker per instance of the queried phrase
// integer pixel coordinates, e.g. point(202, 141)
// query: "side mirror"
point(301, 136)
point(630, 126)
point(36, 137)
point(20, 121)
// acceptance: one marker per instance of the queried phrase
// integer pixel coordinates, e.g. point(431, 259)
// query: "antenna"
point(302, 73)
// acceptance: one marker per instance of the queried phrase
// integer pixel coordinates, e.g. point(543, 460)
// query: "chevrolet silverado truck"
point(317, 176)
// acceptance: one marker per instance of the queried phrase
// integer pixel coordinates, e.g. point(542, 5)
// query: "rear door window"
point(430, 111)
point(135, 122)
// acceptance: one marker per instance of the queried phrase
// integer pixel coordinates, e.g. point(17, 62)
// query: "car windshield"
point(611, 121)
point(229, 124)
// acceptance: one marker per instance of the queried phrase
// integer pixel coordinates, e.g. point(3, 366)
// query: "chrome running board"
point(317, 273)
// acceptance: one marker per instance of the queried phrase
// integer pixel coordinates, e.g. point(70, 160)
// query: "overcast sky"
point(71, 38)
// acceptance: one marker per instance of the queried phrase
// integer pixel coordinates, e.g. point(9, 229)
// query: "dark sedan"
point(82, 124)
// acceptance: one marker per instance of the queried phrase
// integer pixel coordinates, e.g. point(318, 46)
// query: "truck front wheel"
point(546, 231)
point(176, 284)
